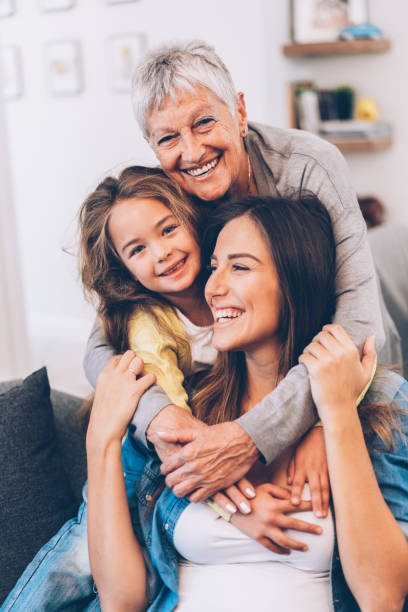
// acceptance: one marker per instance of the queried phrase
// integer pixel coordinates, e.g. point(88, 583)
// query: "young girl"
point(140, 256)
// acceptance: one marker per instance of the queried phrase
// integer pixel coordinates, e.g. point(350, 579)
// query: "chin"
point(211, 192)
point(223, 344)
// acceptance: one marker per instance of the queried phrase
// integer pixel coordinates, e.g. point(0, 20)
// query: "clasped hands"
point(202, 461)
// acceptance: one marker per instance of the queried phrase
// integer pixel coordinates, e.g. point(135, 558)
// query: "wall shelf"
point(361, 145)
point(337, 47)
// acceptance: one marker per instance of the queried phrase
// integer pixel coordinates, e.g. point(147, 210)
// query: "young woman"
point(270, 291)
point(141, 259)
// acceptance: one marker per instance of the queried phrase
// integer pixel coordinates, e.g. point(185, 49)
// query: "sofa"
point(43, 459)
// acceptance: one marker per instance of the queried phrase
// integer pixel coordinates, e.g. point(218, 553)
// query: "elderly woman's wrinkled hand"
point(119, 388)
point(211, 459)
point(337, 375)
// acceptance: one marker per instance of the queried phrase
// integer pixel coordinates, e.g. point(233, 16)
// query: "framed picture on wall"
point(123, 54)
point(7, 8)
point(55, 5)
point(11, 77)
point(63, 67)
point(322, 20)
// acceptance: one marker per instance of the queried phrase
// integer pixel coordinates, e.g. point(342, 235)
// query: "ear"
point(241, 112)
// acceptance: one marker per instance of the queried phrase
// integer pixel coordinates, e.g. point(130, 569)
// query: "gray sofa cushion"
point(36, 497)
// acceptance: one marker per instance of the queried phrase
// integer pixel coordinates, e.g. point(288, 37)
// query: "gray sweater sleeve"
point(97, 355)
point(288, 412)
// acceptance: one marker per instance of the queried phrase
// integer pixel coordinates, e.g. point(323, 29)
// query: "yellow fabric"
point(162, 355)
point(165, 357)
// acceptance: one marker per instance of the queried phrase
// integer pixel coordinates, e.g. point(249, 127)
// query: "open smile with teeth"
point(227, 314)
point(203, 169)
point(174, 268)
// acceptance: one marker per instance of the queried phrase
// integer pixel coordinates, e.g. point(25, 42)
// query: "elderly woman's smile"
point(199, 143)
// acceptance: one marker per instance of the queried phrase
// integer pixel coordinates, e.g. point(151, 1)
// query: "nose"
point(217, 285)
point(160, 250)
point(192, 149)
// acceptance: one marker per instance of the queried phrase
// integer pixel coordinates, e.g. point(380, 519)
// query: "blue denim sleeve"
point(391, 465)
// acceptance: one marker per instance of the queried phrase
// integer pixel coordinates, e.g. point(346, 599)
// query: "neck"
point(262, 374)
point(245, 184)
point(192, 304)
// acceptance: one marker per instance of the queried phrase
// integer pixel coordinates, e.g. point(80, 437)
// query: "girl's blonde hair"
point(104, 276)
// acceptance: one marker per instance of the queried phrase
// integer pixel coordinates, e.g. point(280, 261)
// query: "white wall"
point(60, 147)
point(14, 353)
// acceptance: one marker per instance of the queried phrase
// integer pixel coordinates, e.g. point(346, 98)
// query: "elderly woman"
point(189, 112)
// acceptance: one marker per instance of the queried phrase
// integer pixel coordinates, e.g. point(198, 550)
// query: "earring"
point(244, 132)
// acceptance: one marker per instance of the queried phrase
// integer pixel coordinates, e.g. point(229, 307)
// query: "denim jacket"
point(155, 509)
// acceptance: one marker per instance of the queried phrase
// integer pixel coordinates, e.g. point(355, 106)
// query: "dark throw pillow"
point(35, 495)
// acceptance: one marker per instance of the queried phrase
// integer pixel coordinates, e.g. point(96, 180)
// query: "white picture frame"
point(123, 54)
point(322, 20)
point(7, 8)
point(11, 74)
point(63, 67)
point(55, 5)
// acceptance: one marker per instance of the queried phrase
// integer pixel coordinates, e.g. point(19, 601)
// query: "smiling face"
point(243, 290)
point(199, 143)
point(157, 250)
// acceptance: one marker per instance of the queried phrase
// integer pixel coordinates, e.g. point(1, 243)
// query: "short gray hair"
point(179, 66)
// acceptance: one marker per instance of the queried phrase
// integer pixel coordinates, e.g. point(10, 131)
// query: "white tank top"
point(222, 569)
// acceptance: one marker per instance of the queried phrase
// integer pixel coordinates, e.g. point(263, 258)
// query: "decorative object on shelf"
point(11, 73)
point(63, 67)
point(7, 8)
point(308, 110)
point(354, 128)
point(322, 20)
point(55, 5)
point(361, 30)
point(350, 135)
point(124, 53)
point(366, 110)
point(344, 96)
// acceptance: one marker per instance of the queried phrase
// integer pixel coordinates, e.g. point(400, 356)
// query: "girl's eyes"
point(137, 249)
point(169, 228)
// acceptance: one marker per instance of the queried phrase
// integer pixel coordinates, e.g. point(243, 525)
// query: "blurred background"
point(66, 121)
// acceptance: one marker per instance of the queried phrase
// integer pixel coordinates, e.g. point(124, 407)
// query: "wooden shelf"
point(337, 47)
point(361, 145)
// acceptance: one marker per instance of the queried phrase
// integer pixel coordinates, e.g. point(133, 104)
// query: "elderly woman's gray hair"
point(179, 66)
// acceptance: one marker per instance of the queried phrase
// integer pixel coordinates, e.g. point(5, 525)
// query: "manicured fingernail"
point(295, 500)
point(245, 508)
point(319, 530)
point(305, 548)
point(250, 492)
point(319, 514)
point(232, 509)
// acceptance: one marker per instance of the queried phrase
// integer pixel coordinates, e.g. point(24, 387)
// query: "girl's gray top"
point(281, 161)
